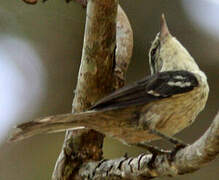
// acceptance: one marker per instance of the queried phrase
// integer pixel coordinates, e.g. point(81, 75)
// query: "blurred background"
point(40, 51)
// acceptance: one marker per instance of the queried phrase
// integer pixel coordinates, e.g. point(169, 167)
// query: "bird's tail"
point(57, 123)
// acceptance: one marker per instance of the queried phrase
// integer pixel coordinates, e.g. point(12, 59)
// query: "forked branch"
point(107, 50)
point(101, 72)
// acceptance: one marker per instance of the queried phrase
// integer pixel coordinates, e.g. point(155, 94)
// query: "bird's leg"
point(152, 149)
point(179, 144)
point(175, 141)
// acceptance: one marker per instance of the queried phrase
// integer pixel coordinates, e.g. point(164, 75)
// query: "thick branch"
point(187, 160)
point(101, 72)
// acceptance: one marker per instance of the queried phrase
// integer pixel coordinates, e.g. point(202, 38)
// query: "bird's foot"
point(154, 150)
point(177, 148)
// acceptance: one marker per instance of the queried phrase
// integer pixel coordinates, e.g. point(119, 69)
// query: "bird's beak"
point(164, 31)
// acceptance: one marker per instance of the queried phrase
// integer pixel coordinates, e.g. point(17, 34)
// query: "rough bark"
point(100, 73)
point(186, 160)
point(106, 54)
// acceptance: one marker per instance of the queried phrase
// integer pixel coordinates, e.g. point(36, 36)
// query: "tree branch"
point(100, 73)
point(187, 160)
point(105, 59)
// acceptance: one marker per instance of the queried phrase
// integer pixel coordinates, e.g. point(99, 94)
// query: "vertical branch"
point(101, 71)
point(95, 74)
point(124, 46)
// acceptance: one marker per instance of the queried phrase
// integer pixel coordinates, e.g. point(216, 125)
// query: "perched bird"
point(167, 101)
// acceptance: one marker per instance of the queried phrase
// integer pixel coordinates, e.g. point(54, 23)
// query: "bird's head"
point(167, 53)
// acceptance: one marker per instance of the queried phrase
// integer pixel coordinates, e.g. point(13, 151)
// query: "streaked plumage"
point(169, 100)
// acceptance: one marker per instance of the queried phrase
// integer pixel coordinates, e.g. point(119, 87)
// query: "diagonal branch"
point(101, 72)
point(187, 160)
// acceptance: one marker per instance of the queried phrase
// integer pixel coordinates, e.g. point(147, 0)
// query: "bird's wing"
point(151, 88)
point(158, 86)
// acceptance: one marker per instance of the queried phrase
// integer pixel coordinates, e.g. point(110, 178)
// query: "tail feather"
point(119, 125)
point(51, 124)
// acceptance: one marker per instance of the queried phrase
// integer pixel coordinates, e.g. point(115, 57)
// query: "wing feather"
point(151, 88)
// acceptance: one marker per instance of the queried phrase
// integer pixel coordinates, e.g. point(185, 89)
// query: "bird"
point(166, 101)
